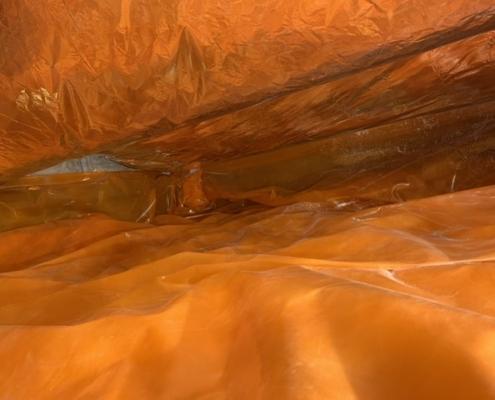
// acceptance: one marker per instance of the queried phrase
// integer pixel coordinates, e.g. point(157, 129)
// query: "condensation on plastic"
point(299, 302)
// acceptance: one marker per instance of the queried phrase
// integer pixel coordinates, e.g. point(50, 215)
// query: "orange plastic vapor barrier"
point(269, 199)
point(293, 302)
point(224, 78)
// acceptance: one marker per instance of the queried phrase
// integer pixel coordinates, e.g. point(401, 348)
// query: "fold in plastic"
point(33, 200)
point(82, 76)
point(299, 302)
point(312, 213)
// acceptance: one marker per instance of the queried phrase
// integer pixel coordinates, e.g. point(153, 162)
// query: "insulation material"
point(218, 199)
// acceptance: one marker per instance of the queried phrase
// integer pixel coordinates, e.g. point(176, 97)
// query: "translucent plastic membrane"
point(189, 80)
point(39, 199)
point(377, 166)
point(434, 95)
point(349, 173)
point(310, 214)
point(296, 302)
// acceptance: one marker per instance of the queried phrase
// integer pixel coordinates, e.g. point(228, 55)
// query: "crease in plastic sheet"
point(282, 236)
point(293, 302)
point(110, 74)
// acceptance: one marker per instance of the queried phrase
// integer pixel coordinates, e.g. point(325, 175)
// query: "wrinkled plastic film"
point(109, 73)
point(382, 302)
point(442, 90)
point(247, 200)
point(36, 200)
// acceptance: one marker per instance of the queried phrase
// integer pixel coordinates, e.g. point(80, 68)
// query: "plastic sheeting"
point(38, 199)
point(299, 302)
point(277, 199)
point(78, 77)
point(436, 95)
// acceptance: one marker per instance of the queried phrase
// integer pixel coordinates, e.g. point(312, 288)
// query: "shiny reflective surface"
point(36, 200)
point(311, 214)
point(223, 78)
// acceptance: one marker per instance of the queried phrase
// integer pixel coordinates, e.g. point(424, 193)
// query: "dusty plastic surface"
point(311, 216)
point(299, 302)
